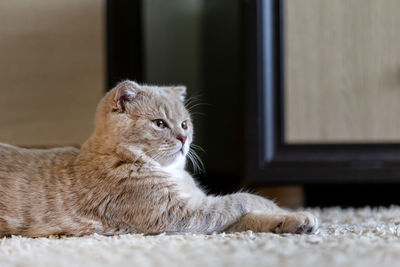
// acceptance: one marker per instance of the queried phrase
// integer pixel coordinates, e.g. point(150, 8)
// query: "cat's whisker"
point(197, 113)
point(200, 162)
point(198, 166)
point(196, 158)
point(194, 146)
point(192, 100)
point(194, 163)
point(190, 108)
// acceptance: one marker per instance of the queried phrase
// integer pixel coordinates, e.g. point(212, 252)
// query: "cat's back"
point(15, 159)
point(24, 168)
point(33, 186)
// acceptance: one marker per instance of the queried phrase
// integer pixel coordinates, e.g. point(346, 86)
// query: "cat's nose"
point(182, 138)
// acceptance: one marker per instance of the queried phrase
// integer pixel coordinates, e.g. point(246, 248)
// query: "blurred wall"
point(172, 42)
point(51, 70)
point(173, 48)
point(223, 72)
point(199, 44)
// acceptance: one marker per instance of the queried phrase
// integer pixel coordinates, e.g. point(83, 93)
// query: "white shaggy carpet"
point(350, 237)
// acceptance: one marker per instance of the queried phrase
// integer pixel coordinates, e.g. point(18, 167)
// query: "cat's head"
point(148, 119)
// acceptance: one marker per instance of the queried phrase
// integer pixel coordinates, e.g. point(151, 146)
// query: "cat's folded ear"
point(181, 91)
point(125, 92)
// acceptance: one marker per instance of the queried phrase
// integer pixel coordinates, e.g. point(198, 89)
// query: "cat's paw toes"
point(297, 223)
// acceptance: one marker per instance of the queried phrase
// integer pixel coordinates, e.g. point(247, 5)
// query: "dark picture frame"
point(269, 159)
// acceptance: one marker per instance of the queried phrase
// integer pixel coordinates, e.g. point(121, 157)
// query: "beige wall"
point(51, 70)
point(342, 71)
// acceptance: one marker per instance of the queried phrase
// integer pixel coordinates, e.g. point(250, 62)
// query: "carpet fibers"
point(347, 237)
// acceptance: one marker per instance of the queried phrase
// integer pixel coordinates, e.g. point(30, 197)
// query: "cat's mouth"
point(179, 152)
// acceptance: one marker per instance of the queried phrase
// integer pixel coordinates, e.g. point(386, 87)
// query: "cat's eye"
point(184, 125)
point(160, 123)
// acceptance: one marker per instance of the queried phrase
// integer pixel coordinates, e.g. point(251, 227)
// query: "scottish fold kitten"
point(128, 177)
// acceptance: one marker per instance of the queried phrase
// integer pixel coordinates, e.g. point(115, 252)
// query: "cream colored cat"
point(128, 177)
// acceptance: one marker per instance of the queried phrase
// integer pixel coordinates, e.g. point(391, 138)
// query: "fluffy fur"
point(128, 177)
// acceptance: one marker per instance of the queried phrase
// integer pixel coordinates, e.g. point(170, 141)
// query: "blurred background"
point(297, 99)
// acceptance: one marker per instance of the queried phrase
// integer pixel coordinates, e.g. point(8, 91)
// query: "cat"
point(128, 177)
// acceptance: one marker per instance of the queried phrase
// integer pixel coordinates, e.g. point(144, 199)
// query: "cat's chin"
point(175, 159)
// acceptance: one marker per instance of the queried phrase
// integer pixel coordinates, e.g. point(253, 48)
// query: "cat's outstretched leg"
point(264, 215)
point(242, 212)
point(167, 208)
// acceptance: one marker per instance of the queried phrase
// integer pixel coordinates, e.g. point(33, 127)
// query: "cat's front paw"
point(285, 222)
point(296, 223)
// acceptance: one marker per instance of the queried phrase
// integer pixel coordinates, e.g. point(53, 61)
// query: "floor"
point(350, 237)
